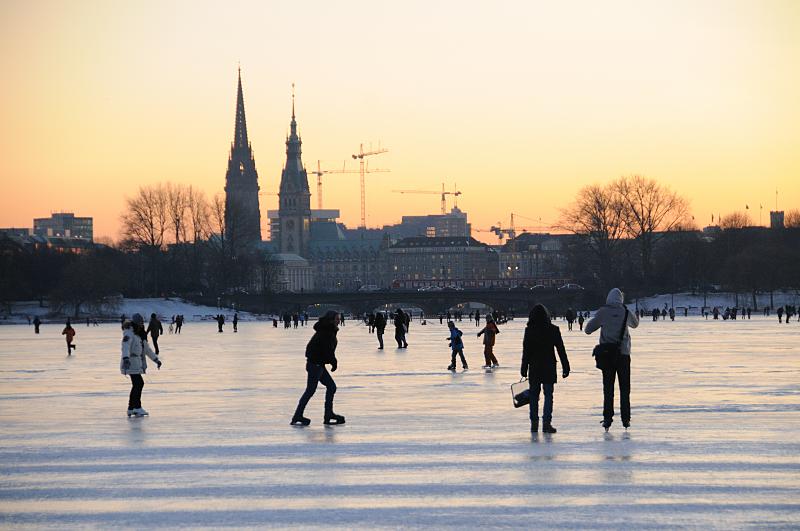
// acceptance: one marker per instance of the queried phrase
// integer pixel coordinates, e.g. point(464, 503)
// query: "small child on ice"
point(457, 345)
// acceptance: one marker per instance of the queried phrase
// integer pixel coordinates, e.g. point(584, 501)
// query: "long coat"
point(137, 350)
point(321, 348)
point(538, 353)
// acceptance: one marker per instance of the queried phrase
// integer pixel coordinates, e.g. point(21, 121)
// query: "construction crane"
point(443, 193)
point(320, 172)
point(360, 156)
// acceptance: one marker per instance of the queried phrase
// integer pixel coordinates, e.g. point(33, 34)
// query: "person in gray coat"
point(612, 319)
point(135, 352)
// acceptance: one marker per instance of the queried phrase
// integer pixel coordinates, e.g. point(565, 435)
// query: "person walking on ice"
point(457, 347)
point(155, 329)
point(614, 320)
point(36, 324)
point(541, 341)
point(489, 332)
point(135, 352)
point(321, 351)
point(69, 334)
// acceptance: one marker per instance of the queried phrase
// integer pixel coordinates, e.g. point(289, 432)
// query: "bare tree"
point(177, 204)
point(146, 218)
point(792, 220)
point(198, 213)
point(735, 220)
point(597, 216)
point(649, 210)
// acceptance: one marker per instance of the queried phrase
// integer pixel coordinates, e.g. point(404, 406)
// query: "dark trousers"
point(488, 354)
point(400, 337)
point(547, 410)
point(621, 369)
point(380, 339)
point(460, 352)
point(155, 343)
point(317, 374)
point(137, 384)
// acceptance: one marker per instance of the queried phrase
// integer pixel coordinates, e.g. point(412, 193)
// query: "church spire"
point(240, 133)
point(293, 124)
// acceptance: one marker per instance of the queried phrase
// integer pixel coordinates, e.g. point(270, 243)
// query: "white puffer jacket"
point(609, 319)
point(137, 351)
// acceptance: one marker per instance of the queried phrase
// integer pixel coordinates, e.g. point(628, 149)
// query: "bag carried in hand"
point(521, 393)
point(607, 354)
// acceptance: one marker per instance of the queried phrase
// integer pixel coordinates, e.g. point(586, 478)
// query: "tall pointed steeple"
point(240, 132)
point(242, 212)
point(294, 208)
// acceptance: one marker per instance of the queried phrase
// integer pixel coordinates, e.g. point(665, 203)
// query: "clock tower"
point(294, 196)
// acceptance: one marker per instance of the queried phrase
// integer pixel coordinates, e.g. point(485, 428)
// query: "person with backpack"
point(613, 354)
point(541, 342)
point(135, 352)
point(321, 351)
point(489, 332)
point(456, 346)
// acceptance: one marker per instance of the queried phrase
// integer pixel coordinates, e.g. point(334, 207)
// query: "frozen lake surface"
point(714, 443)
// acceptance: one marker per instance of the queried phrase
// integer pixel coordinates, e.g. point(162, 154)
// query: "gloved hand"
point(565, 373)
point(334, 365)
point(523, 371)
point(158, 364)
point(126, 363)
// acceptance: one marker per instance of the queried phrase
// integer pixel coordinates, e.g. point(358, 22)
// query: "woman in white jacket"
point(612, 319)
point(135, 352)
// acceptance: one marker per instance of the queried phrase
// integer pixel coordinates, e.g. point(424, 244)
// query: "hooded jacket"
point(321, 348)
point(137, 351)
point(540, 344)
point(609, 319)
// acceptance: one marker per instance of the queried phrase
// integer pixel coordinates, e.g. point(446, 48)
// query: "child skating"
point(69, 332)
point(489, 332)
point(457, 346)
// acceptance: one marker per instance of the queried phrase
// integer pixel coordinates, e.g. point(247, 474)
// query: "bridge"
point(431, 302)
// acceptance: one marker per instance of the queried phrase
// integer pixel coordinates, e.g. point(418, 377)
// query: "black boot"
point(548, 428)
point(607, 423)
point(333, 418)
point(626, 424)
point(300, 419)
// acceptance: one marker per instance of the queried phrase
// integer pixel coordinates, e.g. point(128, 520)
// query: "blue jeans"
point(547, 412)
point(317, 374)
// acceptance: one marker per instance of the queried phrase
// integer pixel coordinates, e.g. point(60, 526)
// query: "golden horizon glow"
point(519, 104)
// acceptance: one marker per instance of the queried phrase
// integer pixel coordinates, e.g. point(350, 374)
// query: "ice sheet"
point(714, 441)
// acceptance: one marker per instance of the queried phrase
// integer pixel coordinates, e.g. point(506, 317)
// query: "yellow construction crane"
point(443, 193)
point(360, 156)
point(320, 172)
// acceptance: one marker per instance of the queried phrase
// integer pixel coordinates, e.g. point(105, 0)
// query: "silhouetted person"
point(220, 322)
point(400, 329)
point(489, 332)
point(69, 334)
point(380, 327)
point(456, 346)
point(155, 329)
point(36, 323)
point(236, 322)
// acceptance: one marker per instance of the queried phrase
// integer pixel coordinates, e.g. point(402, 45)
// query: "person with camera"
point(135, 352)
point(613, 354)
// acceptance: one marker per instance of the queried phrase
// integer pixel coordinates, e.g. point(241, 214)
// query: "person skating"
point(456, 346)
point(69, 334)
point(380, 327)
point(570, 317)
point(135, 352)
point(220, 322)
point(400, 329)
point(321, 351)
point(36, 324)
point(541, 342)
point(780, 314)
point(236, 322)
point(580, 320)
point(489, 332)
point(477, 318)
point(155, 329)
point(612, 319)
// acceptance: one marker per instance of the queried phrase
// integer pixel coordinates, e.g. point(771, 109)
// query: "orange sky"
point(520, 104)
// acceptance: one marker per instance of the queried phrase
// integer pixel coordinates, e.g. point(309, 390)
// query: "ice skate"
point(299, 419)
point(607, 423)
point(495, 365)
point(626, 424)
point(130, 412)
point(465, 367)
point(548, 428)
point(140, 412)
point(451, 367)
point(333, 418)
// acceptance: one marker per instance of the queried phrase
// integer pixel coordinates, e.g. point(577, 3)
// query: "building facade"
point(242, 211)
point(461, 262)
point(64, 225)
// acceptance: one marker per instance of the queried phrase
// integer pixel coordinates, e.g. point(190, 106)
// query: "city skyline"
point(520, 106)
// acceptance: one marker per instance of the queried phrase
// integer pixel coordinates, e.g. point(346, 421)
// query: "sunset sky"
point(519, 103)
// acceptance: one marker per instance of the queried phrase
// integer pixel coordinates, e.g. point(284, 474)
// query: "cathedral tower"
point(294, 209)
point(242, 213)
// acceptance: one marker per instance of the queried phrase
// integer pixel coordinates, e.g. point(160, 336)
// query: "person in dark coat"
point(380, 326)
point(541, 341)
point(400, 329)
point(155, 329)
point(321, 351)
point(36, 324)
